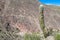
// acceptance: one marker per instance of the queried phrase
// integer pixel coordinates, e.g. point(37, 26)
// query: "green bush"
point(57, 37)
point(31, 37)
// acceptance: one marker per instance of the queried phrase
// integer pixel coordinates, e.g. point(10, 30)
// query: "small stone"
point(50, 38)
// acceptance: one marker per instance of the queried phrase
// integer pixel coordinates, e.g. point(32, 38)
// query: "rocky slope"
point(52, 17)
point(22, 16)
point(18, 17)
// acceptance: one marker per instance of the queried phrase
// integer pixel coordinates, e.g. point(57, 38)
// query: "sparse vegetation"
point(57, 37)
point(32, 37)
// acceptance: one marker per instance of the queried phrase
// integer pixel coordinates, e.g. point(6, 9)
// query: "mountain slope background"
point(22, 16)
point(52, 18)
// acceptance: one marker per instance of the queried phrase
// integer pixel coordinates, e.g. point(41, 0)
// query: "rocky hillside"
point(52, 17)
point(22, 16)
point(18, 17)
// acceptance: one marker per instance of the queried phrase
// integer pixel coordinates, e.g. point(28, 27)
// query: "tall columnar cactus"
point(42, 24)
point(41, 19)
